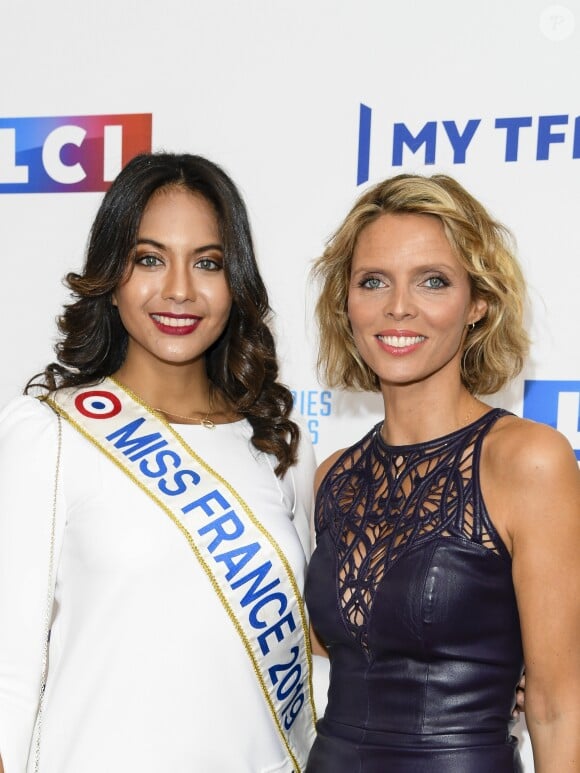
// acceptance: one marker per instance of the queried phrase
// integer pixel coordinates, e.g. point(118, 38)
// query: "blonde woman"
point(448, 536)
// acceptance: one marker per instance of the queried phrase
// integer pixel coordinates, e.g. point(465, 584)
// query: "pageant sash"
point(249, 573)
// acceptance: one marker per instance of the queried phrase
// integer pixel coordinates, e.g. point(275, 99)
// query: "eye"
point(371, 283)
point(209, 264)
point(436, 282)
point(148, 260)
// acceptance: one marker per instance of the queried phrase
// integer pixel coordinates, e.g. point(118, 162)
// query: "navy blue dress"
point(410, 589)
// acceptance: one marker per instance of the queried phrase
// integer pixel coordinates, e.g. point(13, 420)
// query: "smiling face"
point(174, 301)
point(409, 300)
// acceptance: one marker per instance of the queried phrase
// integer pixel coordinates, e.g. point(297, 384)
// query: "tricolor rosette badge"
point(98, 404)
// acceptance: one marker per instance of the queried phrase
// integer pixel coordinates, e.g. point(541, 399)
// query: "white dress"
point(146, 672)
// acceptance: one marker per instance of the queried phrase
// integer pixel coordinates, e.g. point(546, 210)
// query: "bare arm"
point(541, 496)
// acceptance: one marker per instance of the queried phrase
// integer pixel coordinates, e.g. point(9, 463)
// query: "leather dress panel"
point(423, 636)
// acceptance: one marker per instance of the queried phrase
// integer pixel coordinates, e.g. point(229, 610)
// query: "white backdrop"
point(272, 90)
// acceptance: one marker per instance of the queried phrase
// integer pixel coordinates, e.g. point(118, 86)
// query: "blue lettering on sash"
point(226, 527)
point(147, 450)
point(179, 480)
point(222, 533)
point(257, 575)
point(277, 630)
point(161, 468)
point(203, 503)
point(237, 558)
point(131, 445)
point(135, 448)
point(254, 619)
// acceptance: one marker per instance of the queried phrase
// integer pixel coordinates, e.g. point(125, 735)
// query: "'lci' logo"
point(556, 403)
point(69, 153)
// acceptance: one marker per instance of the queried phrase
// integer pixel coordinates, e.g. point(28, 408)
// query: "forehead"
point(174, 205)
point(404, 235)
point(406, 240)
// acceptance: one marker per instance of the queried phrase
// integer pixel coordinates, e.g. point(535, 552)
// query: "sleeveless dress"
point(410, 589)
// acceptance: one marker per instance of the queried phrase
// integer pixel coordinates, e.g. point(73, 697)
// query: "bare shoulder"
point(325, 466)
point(531, 476)
point(529, 450)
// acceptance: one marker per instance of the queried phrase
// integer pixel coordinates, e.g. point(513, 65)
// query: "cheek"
point(358, 312)
point(218, 305)
point(123, 300)
point(129, 303)
point(221, 299)
point(133, 294)
point(351, 309)
point(227, 311)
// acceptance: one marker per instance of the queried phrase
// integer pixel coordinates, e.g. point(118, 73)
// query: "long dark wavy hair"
point(241, 364)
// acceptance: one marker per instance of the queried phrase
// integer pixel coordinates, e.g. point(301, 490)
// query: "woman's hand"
point(520, 707)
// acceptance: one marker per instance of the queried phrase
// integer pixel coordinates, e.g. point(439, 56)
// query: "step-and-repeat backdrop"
point(304, 102)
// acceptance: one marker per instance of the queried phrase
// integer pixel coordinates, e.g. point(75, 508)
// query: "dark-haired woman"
point(154, 506)
point(447, 537)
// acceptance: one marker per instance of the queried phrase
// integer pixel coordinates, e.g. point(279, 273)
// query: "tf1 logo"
point(556, 403)
point(69, 153)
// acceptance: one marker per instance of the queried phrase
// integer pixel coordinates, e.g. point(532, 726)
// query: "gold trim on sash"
point(63, 401)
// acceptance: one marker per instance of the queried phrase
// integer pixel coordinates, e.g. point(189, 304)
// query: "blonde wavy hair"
point(495, 348)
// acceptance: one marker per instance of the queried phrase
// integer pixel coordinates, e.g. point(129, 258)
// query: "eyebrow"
point(161, 246)
point(425, 268)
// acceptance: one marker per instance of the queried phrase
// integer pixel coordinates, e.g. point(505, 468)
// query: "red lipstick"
point(175, 324)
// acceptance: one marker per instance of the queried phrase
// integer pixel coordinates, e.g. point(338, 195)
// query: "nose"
point(399, 303)
point(178, 284)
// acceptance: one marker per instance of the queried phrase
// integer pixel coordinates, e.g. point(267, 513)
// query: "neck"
point(414, 414)
point(177, 390)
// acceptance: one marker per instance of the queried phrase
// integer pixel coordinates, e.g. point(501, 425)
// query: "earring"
point(471, 325)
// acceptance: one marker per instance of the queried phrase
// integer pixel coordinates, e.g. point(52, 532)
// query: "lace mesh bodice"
point(410, 589)
point(379, 501)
